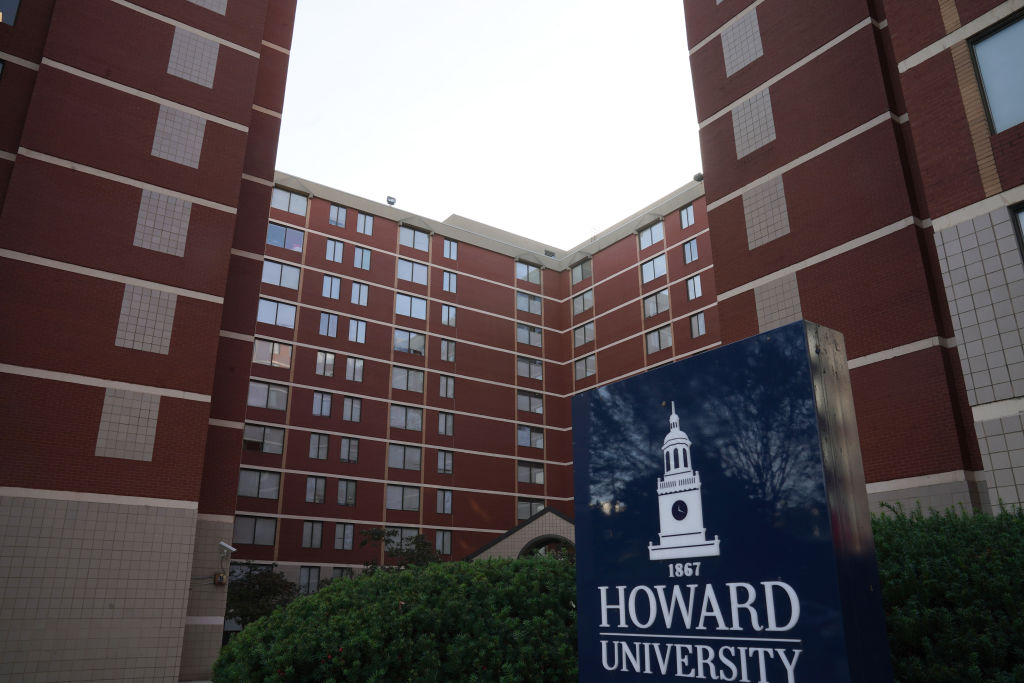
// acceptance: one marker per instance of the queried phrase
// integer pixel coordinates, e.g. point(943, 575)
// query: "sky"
point(552, 119)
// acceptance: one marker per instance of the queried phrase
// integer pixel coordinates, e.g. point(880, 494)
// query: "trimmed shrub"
point(508, 620)
point(952, 586)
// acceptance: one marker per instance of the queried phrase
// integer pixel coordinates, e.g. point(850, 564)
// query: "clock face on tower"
point(679, 510)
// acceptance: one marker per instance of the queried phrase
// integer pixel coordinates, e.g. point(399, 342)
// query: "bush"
point(952, 585)
point(509, 620)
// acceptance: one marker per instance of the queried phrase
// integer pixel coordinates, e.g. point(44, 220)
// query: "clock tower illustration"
point(682, 518)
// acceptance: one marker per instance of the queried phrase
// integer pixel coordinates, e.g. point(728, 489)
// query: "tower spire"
point(673, 420)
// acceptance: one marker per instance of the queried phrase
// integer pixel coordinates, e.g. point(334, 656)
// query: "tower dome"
point(676, 447)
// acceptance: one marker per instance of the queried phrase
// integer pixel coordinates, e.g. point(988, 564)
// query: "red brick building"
point(137, 149)
point(864, 169)
point(418, 374)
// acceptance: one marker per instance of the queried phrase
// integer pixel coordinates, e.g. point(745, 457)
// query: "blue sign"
point(715, 538)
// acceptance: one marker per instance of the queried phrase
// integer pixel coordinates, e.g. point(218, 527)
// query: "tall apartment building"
point(418, 374)
point(864, 170)
point(137, 149)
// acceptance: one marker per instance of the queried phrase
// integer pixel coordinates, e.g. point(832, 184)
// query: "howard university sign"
point(721, 520)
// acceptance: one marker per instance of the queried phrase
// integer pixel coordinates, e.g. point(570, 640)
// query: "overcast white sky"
point(553, 119)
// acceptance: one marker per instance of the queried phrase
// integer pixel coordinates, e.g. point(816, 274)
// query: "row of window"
point(262, 530)
point(275, 397)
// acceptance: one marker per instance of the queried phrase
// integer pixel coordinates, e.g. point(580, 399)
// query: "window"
point(309, 578)
point(532, 437)
point(412, 271)
point(364, 224)
point(583, 334)
point(258, 484)
point(585, 367)
point(341, 572)
point(337, 216)
point(280, 274)
point(285, 237)
point(359, 293)
point(412, 306)
point(449, 284)
point(998, 56)
point(315, 489)
point(312, 533)
point(693, 290)
point(690, 250)
point(652, 234)
point(528, 272)
point(292, 202)
point(349, 449)
point(686, 216)
point(329, 324)
point(417, 239)
point(443, 542)
point(659, 339)
point(530, 473)
point(318, 446)
point(406, 417)
point(528, 507)
point(653, 268)
point(254, 530)
point(332, 287)
point(445, 423)
point(343, 534)
point(529, 401)
point(529, 367)
point(697, 328)
point(404, 457)
point(528, 334)
point(655, 303)
point(265, 439)
point(407, 379)
point(357, 331)
point(446, 389)
point(335, 251)
point(444, 502)
point(528, 303)
point(451, 249)
point(444, 462)
point(264, 395)
point(9, 11)
point(447, 315)
point(322, 403)
point(346, 492)
point(272, 353)
point(448, 350)
point(410, 342)
point(325, 363)
point(403, 498)
point(354, 369)
point(361, 258)
point(352, 409)
point(581, 271)
point(399, 538)
point(276, 313)
point(582, 302)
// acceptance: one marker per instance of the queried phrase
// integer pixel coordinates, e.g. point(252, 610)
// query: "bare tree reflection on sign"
point(620, 452)
point(766, 437)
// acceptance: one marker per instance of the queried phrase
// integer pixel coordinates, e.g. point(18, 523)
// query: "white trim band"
point(87, 497)
point(191, 29)
point(998, 409)
point(110, 277)
point(963, 33)
point(952, 477)
point(897, 351)
point(204, 621)
point(124, 180)
point(101, 383)
point(987, 205)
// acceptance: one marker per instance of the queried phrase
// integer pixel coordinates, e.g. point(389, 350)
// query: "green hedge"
point(952, 586)
point(509, 620)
